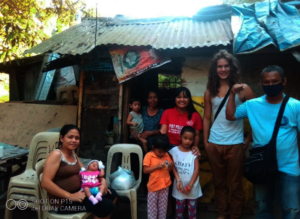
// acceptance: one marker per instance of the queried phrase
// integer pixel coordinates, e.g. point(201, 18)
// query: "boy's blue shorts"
point(94, 191)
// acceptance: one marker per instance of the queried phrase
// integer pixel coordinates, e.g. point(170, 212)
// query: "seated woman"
point(62, 181)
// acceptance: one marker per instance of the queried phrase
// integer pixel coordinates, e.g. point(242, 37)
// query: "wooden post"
point(126, 97)
point(120, 112)
point(81, 77)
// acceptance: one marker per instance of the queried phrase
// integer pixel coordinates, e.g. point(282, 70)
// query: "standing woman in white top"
point(224, 141)
point(187, 188)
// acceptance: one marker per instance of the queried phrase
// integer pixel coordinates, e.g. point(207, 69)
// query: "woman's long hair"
point(213, 84)
point(190, 108)
point(64, 130)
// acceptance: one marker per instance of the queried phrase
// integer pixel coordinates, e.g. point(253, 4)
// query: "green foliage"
point(4, 88)
point(4, 98)
point(91, 12)
point(166, 81)
point(23, 23)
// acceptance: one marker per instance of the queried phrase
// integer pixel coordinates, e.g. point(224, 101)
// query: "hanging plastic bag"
point(122, 179)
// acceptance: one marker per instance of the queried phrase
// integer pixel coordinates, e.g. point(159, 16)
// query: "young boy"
point(135, 122)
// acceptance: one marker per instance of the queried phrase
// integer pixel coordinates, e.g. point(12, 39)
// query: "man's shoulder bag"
point(261, 166)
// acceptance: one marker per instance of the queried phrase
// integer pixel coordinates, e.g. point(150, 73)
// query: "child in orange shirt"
point(158, 163)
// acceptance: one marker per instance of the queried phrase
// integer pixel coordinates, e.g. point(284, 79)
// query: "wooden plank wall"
point(20, 122)
point(252, 66)
point(100, 104)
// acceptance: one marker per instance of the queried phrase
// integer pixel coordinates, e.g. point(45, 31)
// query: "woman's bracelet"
point(187, 188)
point(178, 180)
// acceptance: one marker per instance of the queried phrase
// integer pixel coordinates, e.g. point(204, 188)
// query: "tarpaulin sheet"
point(130, 62)
point(265, 23)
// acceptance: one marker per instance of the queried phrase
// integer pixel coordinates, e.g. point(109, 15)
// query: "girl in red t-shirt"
point(173, 120)
point(183, 114)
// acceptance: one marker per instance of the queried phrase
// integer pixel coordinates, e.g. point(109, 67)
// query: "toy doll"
point(91, 180)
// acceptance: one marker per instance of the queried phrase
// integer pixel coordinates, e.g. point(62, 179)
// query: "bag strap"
point(222, 103)
point(279, 118)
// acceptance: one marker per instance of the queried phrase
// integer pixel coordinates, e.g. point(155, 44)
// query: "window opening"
point(168, 81)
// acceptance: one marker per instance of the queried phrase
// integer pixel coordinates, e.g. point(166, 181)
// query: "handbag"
point(261, 166)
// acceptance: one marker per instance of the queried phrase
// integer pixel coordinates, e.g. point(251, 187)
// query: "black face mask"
point(273, 90)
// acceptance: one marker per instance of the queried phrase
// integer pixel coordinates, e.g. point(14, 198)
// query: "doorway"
point(164, 80)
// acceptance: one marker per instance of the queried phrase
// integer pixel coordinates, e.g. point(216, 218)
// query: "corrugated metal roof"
point(184, 33)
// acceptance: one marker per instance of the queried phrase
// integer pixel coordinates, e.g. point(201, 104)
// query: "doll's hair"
point(99, 163)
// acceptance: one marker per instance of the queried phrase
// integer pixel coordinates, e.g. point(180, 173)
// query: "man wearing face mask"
point(262, 113)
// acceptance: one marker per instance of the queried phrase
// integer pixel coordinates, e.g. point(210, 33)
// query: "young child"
point(187, 189)
point(91, 180)
point(135, 122)
point(158, 163)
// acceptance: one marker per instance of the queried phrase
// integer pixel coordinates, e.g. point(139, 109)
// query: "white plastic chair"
point(25, 186)
point(46, 205)
point(126, 150)
point(68, 93)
